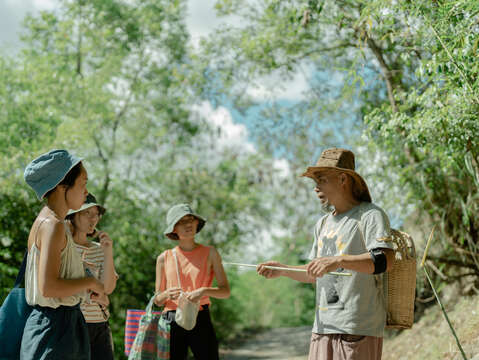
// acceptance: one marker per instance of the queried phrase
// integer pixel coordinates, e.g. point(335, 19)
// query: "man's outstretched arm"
point(301, 276)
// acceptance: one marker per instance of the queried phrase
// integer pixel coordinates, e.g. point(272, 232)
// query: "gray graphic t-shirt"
point(351, 304)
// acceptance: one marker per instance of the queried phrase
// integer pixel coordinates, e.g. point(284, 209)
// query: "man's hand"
point(320, 266)
point(269, 273)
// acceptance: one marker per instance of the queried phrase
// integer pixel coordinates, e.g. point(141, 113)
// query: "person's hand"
point(173, 293)
point(100, 299)
point(320, 266)
point(195, 295)
point(105, 241)
point(96, 287)
point(269, 273)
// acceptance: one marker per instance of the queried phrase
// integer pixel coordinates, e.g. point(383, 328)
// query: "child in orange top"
point(198, 265)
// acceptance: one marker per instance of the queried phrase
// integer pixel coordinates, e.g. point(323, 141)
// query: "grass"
point(431, 338)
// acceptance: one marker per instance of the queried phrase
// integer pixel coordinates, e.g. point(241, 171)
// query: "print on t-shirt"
point(330, 286)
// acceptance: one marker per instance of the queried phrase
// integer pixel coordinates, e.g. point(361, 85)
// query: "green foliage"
point(16, 217)
point(409, 78)
point(110, 82)
point(117, 83)
point(432, 137)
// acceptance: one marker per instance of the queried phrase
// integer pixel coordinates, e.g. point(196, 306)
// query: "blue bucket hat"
point(48, 170)
point(175, 214)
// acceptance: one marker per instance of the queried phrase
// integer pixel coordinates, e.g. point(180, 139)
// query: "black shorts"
point(101, 346)
point(201, 339)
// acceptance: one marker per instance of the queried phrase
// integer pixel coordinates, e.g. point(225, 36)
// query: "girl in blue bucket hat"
point(197, 266)
point(55, 281)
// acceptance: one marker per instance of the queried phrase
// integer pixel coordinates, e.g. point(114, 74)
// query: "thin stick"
point(427, 245)
point(445, 315)
point(423, 263)
point(285, 268)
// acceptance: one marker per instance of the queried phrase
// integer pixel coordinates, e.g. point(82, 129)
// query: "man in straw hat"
point(352, 239)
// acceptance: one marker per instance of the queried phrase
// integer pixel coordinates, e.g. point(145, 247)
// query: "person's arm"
point(361, 263)
point(295, 275)
point(222, 291)
point(109, 275)
point(160, 283)
point(52, 242)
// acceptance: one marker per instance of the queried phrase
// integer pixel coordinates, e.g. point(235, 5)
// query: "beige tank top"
point(71, 267)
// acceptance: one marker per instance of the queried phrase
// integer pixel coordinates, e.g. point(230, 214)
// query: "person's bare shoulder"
point(160, 259)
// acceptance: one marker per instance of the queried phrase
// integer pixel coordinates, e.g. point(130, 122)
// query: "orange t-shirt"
point(194, 274)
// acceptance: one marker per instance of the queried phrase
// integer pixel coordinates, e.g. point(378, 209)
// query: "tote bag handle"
point(177, 269)
point(21, 272)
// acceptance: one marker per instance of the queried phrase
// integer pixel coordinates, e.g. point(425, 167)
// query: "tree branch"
point(387, 73)
point(116, 123)
point(79, 42)
point(105, 161)
point(454, 262)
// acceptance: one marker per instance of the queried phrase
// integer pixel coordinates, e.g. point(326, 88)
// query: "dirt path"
point(278, 344)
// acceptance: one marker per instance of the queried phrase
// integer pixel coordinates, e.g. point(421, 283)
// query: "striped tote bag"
point(147, 334)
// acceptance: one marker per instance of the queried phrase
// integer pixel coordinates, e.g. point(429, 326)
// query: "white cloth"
point(71, 267)
point(93, 259)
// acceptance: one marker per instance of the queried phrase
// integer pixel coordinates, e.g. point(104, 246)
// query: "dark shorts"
point(101, 345)
point(55, 334)
point(201, 339)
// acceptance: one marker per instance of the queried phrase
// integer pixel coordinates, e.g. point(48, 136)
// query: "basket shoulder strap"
point(361, 230)
point(404, 242)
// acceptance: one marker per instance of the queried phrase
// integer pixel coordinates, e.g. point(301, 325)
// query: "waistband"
point(61, 307)
point(202, 308)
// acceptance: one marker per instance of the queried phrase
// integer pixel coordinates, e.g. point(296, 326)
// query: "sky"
point(201, 21)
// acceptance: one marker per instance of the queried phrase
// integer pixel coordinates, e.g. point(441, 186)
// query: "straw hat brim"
point(312, 172)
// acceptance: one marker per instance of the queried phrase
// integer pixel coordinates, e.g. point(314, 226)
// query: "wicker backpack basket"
point(401, 283)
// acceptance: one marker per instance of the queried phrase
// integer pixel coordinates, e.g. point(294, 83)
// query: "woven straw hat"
point(341, 160)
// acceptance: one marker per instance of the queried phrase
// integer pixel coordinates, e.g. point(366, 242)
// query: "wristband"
point(379, 260)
